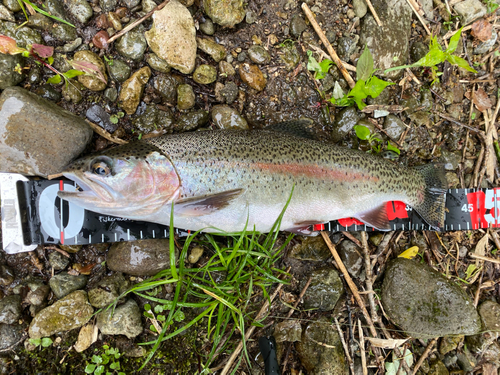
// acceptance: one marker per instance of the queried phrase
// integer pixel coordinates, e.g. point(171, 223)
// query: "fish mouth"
point(91, 191)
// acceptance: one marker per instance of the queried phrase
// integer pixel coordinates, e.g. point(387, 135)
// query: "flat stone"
point(324, 290)
point(173, 36)
point(63, 283)
point(124, 320)
point(92, 82)
point(214, 49)
point(226, 13)
point(132, 45)
point(8, 75)
point(311, 248)
point(225, 117)
point(5, 14)
point(470, 10)
point(38, 137)
point(108, 290)
point(437, 307)
point(132, 88)
point(80, 9)
point(73, 311)
point(141, 258)
point(252, 76)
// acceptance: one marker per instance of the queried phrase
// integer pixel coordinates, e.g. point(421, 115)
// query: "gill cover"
point(132, 180)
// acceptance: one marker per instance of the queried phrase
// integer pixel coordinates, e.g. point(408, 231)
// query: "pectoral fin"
point(376, 218)
point(206, 204)
point(305, 228)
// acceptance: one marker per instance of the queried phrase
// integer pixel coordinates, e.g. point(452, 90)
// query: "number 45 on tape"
point(32, 214)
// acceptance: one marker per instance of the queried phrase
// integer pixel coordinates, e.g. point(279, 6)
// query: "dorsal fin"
point(300, 128)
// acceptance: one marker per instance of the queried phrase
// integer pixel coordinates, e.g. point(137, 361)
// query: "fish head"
point(133, 181)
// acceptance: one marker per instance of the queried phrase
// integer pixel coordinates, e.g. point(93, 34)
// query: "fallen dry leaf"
point(481, 29)
point(386, 343)
point(481, 100)
point(85, 338)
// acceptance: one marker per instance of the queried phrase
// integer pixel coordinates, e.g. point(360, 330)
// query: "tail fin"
point(432, 207)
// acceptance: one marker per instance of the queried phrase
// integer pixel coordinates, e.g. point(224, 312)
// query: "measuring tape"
point(33, 214)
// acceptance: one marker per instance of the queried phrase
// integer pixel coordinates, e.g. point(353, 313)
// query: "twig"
point(138, 22)
point(348, 66)
point(327, 44)
point(382, 247)
point(55, 248)
point(369, 276)
point(450, 33)
point(249, 333)
point(103, 133)
point(478, 291)
point(424, 355)
point(375, 15)
point(415, 7)
point(300, 297)
point(485, 258)
point(351, 284)
point(362, 348)
point(346, 349)
point(52, 176)
point(494, 237)
point(352, 238)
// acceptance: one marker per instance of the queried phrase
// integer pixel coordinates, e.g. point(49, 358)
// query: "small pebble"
point(100, 39)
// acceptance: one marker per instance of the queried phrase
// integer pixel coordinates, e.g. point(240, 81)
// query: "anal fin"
point(206, 204)
point(376, 218)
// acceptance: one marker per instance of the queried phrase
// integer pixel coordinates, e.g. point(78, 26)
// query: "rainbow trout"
point(224, 180)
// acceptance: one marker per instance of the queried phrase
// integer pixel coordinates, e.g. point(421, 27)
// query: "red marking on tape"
point(349, 221)
point(396, 210)
point(318, 227)
point(484, 208)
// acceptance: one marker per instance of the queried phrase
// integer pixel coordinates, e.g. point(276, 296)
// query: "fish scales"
point(330, 182)
point(226, 179)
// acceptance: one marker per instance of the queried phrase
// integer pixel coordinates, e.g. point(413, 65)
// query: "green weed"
point(245, 264)
point(43, 55)
point(363, 133)
point(105, 363)
point(27, 3)
point(436, 56)
point(43, 342)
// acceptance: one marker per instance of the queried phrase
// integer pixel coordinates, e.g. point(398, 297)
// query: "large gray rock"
point(124, 320)
point(320, 350)
point(424, 303)
point(389, 43)
point(38, 137)
point(141, 258)
point(173, 36)
point(73, 311)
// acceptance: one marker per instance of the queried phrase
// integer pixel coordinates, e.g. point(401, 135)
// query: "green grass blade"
point(41, 11)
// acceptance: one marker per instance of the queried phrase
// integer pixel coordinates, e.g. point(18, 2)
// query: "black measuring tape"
point(32, 214)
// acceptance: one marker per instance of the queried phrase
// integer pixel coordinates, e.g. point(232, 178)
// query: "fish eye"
point(100, 168)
